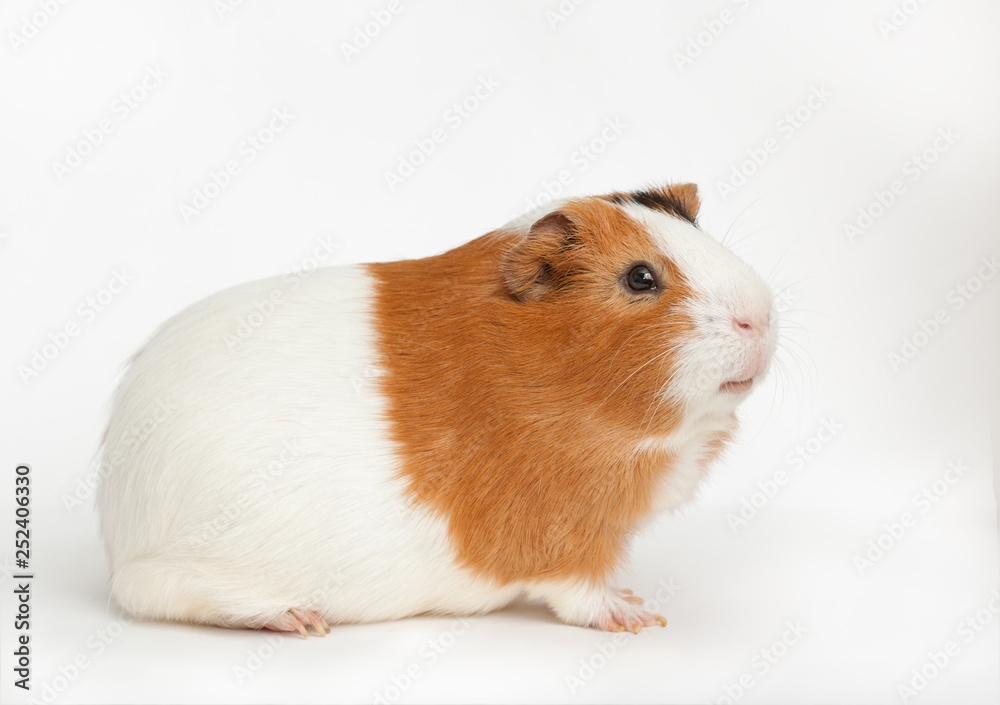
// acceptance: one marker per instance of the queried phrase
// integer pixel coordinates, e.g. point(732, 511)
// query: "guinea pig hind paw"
point(299, 621)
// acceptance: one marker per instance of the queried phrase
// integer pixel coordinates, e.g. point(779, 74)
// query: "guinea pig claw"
point(626, 614)
point(299, 621)
point(317, 622)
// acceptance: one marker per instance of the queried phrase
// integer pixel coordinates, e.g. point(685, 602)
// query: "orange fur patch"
point(520, 374)
point(715, 446)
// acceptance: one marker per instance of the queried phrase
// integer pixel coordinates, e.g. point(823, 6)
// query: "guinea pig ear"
point(526, 266)
point(686, 196)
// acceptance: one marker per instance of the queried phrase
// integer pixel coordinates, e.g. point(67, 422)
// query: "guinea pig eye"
point(641, 279)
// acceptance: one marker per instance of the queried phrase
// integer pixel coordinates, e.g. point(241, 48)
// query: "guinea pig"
point(440, 435)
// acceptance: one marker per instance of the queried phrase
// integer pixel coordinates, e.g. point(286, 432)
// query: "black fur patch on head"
point(679, 201)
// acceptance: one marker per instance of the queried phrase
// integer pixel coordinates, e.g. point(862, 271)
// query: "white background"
point(691, 106)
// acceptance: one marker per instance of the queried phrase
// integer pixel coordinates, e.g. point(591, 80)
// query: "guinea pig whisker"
point(738, 246)
point(779, 383)
point(634, 372)
point(789, 385)
point(742, 213)
point(793, 341)
point(640, 431)
point(782, 257)
point(791, 389)
point(660, 396)
point(785, 347)
point(783, 366)
point(417, 342)
point(793, 282)
point(799, 328)
point(788, 313)
point(632, 335)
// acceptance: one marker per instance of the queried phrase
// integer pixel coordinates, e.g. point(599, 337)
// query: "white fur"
point(272, 484)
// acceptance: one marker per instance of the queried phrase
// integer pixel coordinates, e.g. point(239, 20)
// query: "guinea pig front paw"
point(624, 613)
point(597, 606)
point(295, 620)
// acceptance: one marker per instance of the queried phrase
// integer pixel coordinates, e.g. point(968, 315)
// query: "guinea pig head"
point(651, 320)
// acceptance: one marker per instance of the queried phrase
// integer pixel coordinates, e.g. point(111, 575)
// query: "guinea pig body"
point(440, 435)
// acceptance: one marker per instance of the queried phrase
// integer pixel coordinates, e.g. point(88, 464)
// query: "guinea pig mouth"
point(736, 386)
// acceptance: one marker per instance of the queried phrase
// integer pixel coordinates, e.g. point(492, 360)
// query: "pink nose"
point(748, 326)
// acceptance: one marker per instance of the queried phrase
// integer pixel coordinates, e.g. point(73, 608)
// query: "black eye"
point(641, 279)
